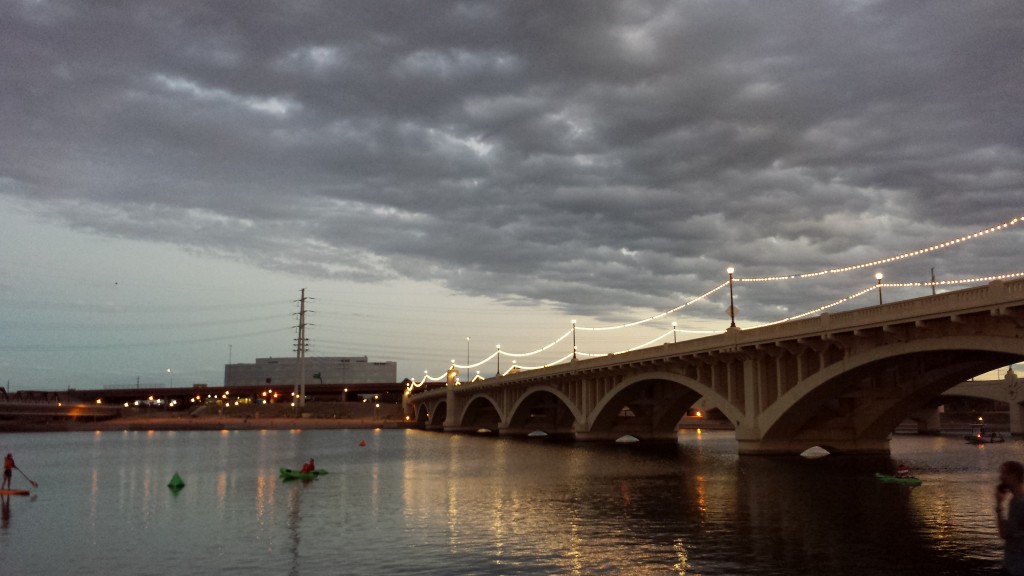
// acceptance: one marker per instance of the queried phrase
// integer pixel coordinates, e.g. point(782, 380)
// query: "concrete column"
point(751, 388)
point(927, 420)
point(451, 417)
point(1016, 419)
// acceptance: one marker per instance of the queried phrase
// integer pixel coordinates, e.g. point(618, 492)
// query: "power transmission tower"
point(301, 344)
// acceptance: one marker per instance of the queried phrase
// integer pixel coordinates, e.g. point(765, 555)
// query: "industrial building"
point(284, 372)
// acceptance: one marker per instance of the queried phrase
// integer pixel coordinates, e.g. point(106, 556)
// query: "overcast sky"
point(173, 173)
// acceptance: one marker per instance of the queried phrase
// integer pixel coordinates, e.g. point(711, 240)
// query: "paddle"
point(34, 485)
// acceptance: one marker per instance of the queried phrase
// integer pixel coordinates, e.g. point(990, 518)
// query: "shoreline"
point(144, 424)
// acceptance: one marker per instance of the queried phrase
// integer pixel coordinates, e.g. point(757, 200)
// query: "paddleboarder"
point(8, 471)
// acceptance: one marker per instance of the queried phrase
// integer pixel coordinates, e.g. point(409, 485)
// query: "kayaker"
point(8, 470)
point(308, 467)
point(902, 471)
point(1011, 523)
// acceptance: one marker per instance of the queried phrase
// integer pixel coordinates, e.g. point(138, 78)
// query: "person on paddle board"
point(902, 471)
point(1011, 524)
point(308, 467)
point(8, 470)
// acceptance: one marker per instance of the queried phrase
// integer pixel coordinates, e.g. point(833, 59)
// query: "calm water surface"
point(413, 502)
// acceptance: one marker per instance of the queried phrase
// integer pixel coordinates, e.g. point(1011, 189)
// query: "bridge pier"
point(928, 421)
point(1016, 419)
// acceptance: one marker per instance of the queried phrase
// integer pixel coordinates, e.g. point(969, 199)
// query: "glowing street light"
point(499, 359)
point(878, 282)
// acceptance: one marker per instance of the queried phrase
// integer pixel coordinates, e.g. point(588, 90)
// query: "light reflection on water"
point(429, 503)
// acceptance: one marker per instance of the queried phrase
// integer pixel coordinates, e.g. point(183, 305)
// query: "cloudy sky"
point(444, 177)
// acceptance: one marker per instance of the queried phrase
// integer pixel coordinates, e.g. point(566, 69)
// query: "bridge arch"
point(545, 408)
point(481, 412)
point(854, 404)
point(649, 405)
point(437, 415)
point(422, 417)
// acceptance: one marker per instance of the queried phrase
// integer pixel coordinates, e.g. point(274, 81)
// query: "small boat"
point(289, 474)
point(13, 492)
point(979, 436)
point(889, 479)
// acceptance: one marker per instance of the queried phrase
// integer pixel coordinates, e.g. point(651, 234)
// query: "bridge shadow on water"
point(731, 514)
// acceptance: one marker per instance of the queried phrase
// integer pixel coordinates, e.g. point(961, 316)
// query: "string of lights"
point(538, 350)
point(703, 296)
point(857, 294)
point(904, 256)
point(975, 280)
point(559, 361)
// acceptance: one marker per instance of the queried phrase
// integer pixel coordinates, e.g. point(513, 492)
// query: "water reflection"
point(424, 503)
point(294, 516)
point(5, 512)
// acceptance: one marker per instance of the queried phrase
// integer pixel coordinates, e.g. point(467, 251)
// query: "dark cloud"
point(591, 155)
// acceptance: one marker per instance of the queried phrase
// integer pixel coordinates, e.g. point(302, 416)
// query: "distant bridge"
point(841, 381)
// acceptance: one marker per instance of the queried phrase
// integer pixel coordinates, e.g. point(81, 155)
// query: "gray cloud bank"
point(586, 154)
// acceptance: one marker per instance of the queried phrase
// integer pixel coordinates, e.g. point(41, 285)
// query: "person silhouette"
point(1010, 492)
point(9, 467)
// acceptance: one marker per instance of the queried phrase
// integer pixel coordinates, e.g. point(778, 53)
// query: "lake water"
point(414, 502)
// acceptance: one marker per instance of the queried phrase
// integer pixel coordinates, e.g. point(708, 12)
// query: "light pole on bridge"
point(574, 339)
point(732, 308)
point(878, 283)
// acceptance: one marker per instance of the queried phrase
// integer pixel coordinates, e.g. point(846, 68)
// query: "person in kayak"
point(308, 467)
point(8, 470)
point(902, 471)
point(1011, 523)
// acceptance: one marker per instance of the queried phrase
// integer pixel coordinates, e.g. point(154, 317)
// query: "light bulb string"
point(903, 256)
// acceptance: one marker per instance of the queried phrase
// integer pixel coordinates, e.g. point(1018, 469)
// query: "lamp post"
point(674, 333)
point(878, 283)
point(574, 339)
point(732, 309)
point(498, 356)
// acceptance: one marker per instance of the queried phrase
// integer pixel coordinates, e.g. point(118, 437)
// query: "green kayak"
point(289, 474)
point(909, 481)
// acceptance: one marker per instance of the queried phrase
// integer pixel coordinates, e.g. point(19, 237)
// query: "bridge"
point(841, 381)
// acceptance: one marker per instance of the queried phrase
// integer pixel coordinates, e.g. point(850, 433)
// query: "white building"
point(284, 372)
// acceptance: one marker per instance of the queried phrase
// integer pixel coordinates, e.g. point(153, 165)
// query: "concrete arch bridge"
point(841, 381)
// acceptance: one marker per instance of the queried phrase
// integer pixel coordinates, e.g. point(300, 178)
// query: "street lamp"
point(878, 282)
point(498, 355)
point(732, 309)
point(574, 339)
point(674, 333)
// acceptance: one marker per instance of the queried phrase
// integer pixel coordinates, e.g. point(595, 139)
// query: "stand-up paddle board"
point(13, 492)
